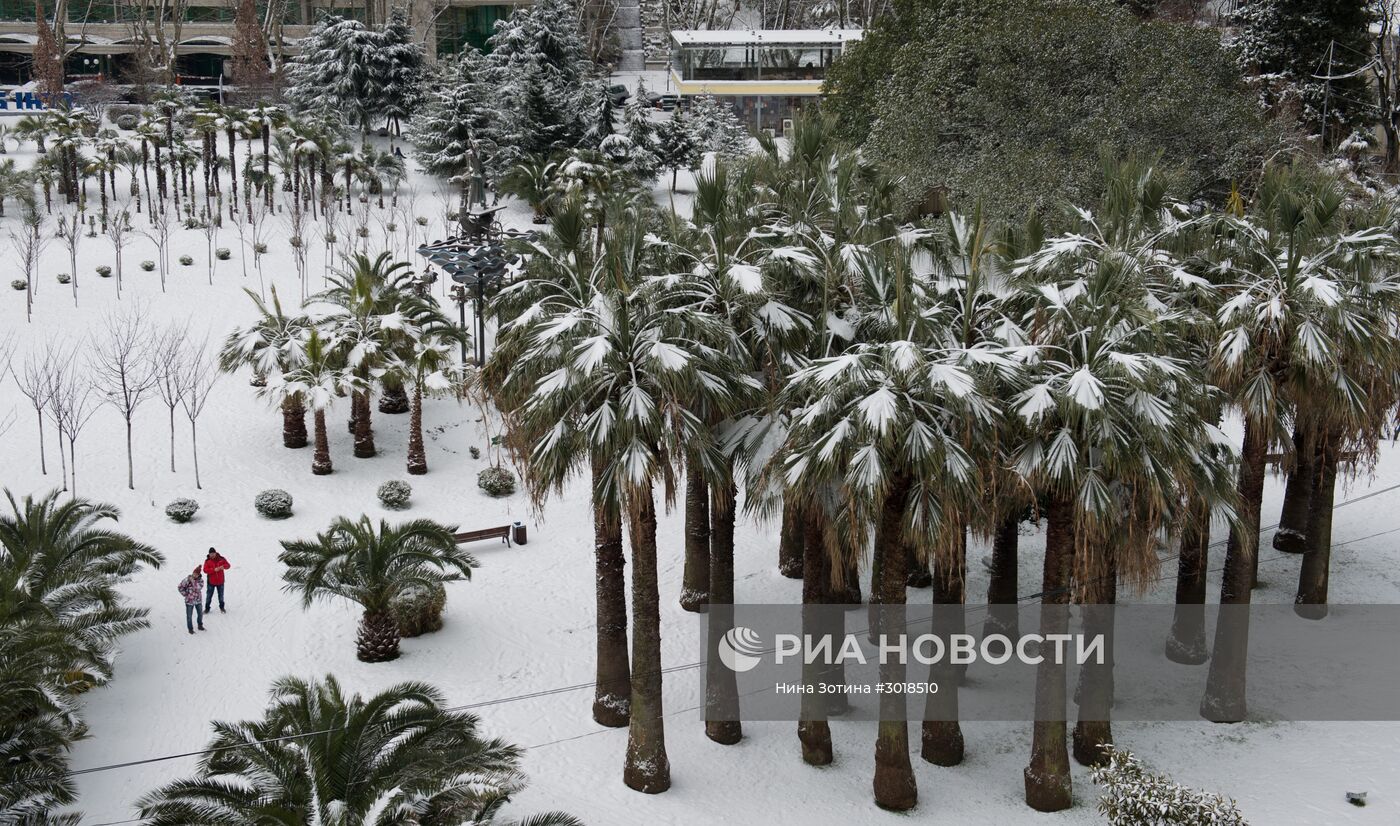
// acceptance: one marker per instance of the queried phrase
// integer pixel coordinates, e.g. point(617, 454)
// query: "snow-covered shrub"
point(193, 223)
point(148, 266)
point(63, 278)
point(496, 481)
point(260, 248)
point(181, 510)
point(223, 253)
point(274, 504)
point(363, 232)
point(475, 451)
point(1134, 796)
point(330, 238)
point(391, 227)
point(186, 260)
point(295, 242)
point(126, 122)
point(20, 284)
point(418, 609)
point(421, 221)
point(394, 494)
point(104, 271)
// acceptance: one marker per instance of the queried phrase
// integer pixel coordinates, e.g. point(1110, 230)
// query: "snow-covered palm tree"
point(274, 344)
point(316, 379)
point(321, 755)
point(429, 362)
point(372, 565)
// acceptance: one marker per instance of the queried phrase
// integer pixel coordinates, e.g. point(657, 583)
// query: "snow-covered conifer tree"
point(342, 69)
point(456, 117)
point(402, 93)
point(676, 146)
point(717, 129)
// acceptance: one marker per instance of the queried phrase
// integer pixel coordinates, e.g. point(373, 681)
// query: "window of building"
point(17, 10)
point(468, 27)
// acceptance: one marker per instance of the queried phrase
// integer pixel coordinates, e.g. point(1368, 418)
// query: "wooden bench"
point(502, 533)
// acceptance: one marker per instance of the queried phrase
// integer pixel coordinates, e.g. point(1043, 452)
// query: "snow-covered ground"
point(520, 634)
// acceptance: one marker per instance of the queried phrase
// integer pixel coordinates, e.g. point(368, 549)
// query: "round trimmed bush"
point(421, 221)
point(259, 248)
point(391, 227)
point(126, 121)
point(64, 278)
point(496, 481)
point(181, 510)
point(330, 238)
point(394, 494)
point(274, 504)
point(104, 271)
point(20, 284)
point(418, 609)
point(186, 260)
point(148, 266)
point(223, 253)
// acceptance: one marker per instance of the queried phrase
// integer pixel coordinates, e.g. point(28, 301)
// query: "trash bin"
point(517, 533)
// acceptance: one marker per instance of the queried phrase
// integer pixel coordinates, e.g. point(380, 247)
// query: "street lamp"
point(478, 264)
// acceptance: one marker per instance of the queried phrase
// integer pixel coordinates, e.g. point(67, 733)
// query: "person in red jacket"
point(214, 567)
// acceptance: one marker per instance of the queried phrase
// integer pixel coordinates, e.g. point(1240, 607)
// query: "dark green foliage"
point(418, 610)
point(1013, 104)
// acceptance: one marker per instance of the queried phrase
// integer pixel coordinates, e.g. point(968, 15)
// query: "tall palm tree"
point(275, 343)
point(371, 566)
point(612, 367)
point(427, 361)
point(320, 755)
point(316, 379)
point(1294, 273)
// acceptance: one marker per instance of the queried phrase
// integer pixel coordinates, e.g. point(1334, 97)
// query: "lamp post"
point(479, 263)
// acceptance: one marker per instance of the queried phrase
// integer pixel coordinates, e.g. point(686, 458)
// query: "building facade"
point(767, 76)
point(104, 36)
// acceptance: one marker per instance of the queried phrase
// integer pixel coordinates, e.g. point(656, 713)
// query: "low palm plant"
point(319, 755)
point(371, 565)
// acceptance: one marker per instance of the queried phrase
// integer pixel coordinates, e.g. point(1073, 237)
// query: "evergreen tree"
point(341, 70)
point(676, 146)
point(1301, 42)
point(402, 93)
point(717, 129)
point(456, 117)
point(644, 163)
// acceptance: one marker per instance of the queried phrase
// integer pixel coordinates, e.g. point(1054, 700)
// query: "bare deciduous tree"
point(29, 243)
point(34, 383)
point(120, 362)
point(70, 235)
point(167, 355)
point(160, 234)
point(119, 233)
point(73, 401)
point(198, 373)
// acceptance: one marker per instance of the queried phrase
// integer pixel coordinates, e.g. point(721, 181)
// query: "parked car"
point(656, 100)
point(619, 94)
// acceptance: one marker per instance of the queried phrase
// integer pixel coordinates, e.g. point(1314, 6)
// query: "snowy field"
point(518, 639)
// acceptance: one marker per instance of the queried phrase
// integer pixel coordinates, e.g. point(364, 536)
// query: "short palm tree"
point(320, 755)
point(272, 345)
point(371, 565)
point(428, 361)
point(315, 380)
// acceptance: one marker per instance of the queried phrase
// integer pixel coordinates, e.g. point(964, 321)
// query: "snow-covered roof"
point(781, 37)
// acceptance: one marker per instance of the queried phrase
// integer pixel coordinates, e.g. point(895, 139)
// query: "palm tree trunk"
point(647, 769)
point(612, 691)
point(1311, 600)
point(394, 399)
point(321, 460)
point(695, 582)
point(1292, 534)
point(1002, 586)
point(1187, 643)
point(894, 783)
point(1048, 785)
point(790, 551)
point(1093, 733)
point(813, 730)
point(721, 689)
point(1224, 700)
point(364, 432)
point(943, 743)
point(417, 457)
point(919, 574)
point(293, 423)
point(378, 640)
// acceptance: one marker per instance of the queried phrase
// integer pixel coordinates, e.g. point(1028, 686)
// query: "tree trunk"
point(321, 459)
point(790, 550)
point(894, 783)
point(394, 399)
point(172, 438)
point(1224, 700)
point(612, 692)
point(194, 454)
point(1002, 599)
point(1048, 785)
point(647, 768)
point(943, 743)
point(293, 423)
point(1311, 599)
point(850, 589)
point(1187, 643)
point(378, 639)
point(364, 432)
point(813, 730)
point(721, 689)
point(695, 582)
point(1292, 534)
point(1093, 734)
point(417, 457)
